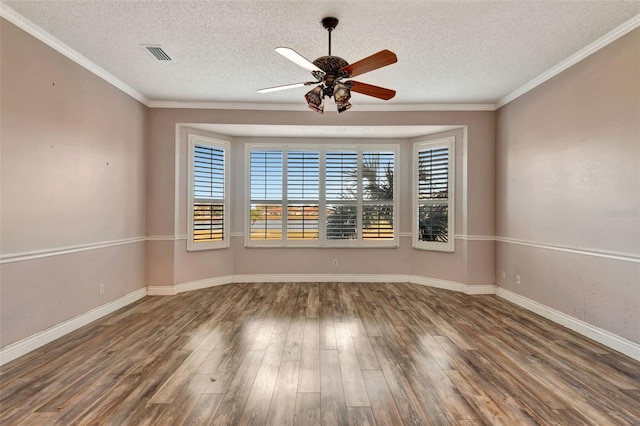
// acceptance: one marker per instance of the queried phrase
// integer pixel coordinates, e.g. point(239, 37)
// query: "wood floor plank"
point(307, 409)
point(360, 416)
point(423, 386)
point(321, 353)
point(130, 404)
point(368, 319)
point(256, 409)
point(313, 301)
point(332, 402)
point(309, 380)
point(407, 403)
point(329, 299)
point(283, 403)
point(295, 337)
point(382, 404)
point(354, 390)
point(235, 397)
point(179, 378)
point(204, 409)
point(435, 381)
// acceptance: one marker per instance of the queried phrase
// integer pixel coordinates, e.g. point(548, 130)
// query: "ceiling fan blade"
point(298, 59)
point(285, 87)
point(370, 63)
point(371, 90)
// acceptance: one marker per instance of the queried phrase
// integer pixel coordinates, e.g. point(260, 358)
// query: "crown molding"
point(29, 27)
point(255, 106)
point(249, 106)
point(600, 43)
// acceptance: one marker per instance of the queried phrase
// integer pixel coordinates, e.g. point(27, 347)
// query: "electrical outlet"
point(101, 288)
point(335, 262)
point(518, 279)
point(504, 275)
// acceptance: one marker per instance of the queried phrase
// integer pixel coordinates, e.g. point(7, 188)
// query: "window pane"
point(208, 221)
point(377, 175)
point(341, 175)
point(377, 222)
point(266, 222)
point(266, 175)
point(208, 172)
point(303, 171)
point(302, 222)
point(341, 222)
point(433, 170)
point(433, 222)
point(208, 194)
point(287, 185)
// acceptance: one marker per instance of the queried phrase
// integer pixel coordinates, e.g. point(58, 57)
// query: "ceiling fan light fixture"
point(343, 107)
point(341, 93)
point(315, 99)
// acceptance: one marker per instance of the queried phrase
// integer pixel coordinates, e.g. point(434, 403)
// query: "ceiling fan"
point(331, 71)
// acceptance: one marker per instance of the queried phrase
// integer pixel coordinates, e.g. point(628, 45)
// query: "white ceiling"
point(449, 52)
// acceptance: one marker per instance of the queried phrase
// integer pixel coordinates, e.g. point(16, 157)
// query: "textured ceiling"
point(463, 52)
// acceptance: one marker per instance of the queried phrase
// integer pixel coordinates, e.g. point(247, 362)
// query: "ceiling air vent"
point(157, 51)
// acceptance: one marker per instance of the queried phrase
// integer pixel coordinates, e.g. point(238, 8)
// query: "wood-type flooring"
point(321, 354)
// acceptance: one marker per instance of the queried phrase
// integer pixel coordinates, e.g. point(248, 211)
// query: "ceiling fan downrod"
point(330, 23)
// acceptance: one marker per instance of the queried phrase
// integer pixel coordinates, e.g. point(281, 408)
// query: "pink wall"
point(72, 175)
point(472, 263)
point(568, 176)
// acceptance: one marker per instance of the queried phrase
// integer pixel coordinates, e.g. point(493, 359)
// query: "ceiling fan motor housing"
point(331, 66)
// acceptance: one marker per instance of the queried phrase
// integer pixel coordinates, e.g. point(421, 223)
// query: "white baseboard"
point(319, 278)
point(161, 290)
point(452, 285)
point(613, 341)
point(209, 282)
point(33, 342)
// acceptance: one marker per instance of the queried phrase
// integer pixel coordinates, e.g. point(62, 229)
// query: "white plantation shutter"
point(341, 191)
point(433, 209)
point(378, 198)
point(266, 195)
point(303, 186)
point(208, 225)
point(321, 196)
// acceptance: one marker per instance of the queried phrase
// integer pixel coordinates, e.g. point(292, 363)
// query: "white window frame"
point(448, 142)
point(322, 241)
point(193, 141)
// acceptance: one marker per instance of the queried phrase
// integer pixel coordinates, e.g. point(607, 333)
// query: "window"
point(321, 196)
point(208, 219)
point(433, 216)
